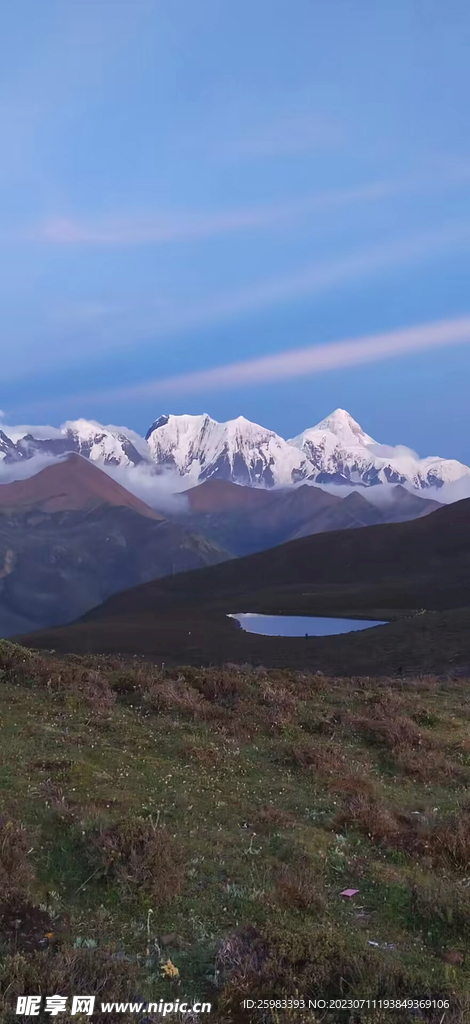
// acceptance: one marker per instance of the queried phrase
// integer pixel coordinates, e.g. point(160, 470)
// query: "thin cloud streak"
point(165, 228)
point(317, 278)
point(291, 134)
point(299, 362)
point(307, 283)
point(315, 359)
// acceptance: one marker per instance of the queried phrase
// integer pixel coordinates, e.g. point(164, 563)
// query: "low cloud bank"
point(25, 468)
point(41, 433)
point(396, 451)
point(162, 491)
point(382, 494)
point(455, 491)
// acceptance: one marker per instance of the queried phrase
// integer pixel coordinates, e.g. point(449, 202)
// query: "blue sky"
point(186, 186)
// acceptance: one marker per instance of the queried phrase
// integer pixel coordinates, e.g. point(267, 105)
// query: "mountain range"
point(70, 536)
point(70, 483)
point(198, 448)
point(243, 520)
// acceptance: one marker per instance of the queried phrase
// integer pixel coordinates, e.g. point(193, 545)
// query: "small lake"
point(299, 625)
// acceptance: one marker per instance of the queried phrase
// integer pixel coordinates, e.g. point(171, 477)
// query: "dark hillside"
point(427, 559)
point(406, 572)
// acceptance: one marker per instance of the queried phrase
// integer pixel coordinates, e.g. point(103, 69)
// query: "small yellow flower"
point(169, 970)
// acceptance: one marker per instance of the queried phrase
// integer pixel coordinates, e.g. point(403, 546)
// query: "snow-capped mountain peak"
point(113, 446)
point(344, 427)
point(160, 422)
point(200, 448)
point(337, 450)
point(340, 452)
point(196, 447)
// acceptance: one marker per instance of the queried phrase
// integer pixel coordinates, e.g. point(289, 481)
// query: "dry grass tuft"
point(325, 758)
point(300, 887)
point(15, 844)
point(62, 969)
point(223, 687)
point(438, 903)
point(353, 785)
point(364, 813)
point(428, 765)
point(177, 696)
point(448, 843)
point(385, 727)
point(207, 756)
point(26, 667)
point(141, 855)
point(242, 954)
point(270, 817)
point(281, 702)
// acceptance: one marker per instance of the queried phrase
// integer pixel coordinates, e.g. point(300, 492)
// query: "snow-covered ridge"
point(195, 448)
point(341, 452)
point(199, 447)
point(111, 446)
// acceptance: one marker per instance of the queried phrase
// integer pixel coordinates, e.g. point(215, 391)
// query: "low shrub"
point(364, 813)
point(140, 855)
point(15, 843)
point(299, 887)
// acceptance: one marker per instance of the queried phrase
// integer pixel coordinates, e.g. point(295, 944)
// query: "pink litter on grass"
point(349, 892)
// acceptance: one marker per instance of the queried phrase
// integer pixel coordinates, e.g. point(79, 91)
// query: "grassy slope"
point(422, 642)
point(212, 817)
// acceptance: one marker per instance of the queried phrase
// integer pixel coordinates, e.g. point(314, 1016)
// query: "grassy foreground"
point(188, 832)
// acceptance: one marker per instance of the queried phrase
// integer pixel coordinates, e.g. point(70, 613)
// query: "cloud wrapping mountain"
point(181, 451)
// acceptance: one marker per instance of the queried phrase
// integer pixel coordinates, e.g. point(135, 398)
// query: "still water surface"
point(299, 625)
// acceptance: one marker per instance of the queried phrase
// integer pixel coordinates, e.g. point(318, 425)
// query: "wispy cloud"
point(289, 134)
point(25, 468)
point(160, 491)
point(156, 321)
point(87, 312)
point(160, 228)
point(297, 362)
point(321, 277)
point(315, 279)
